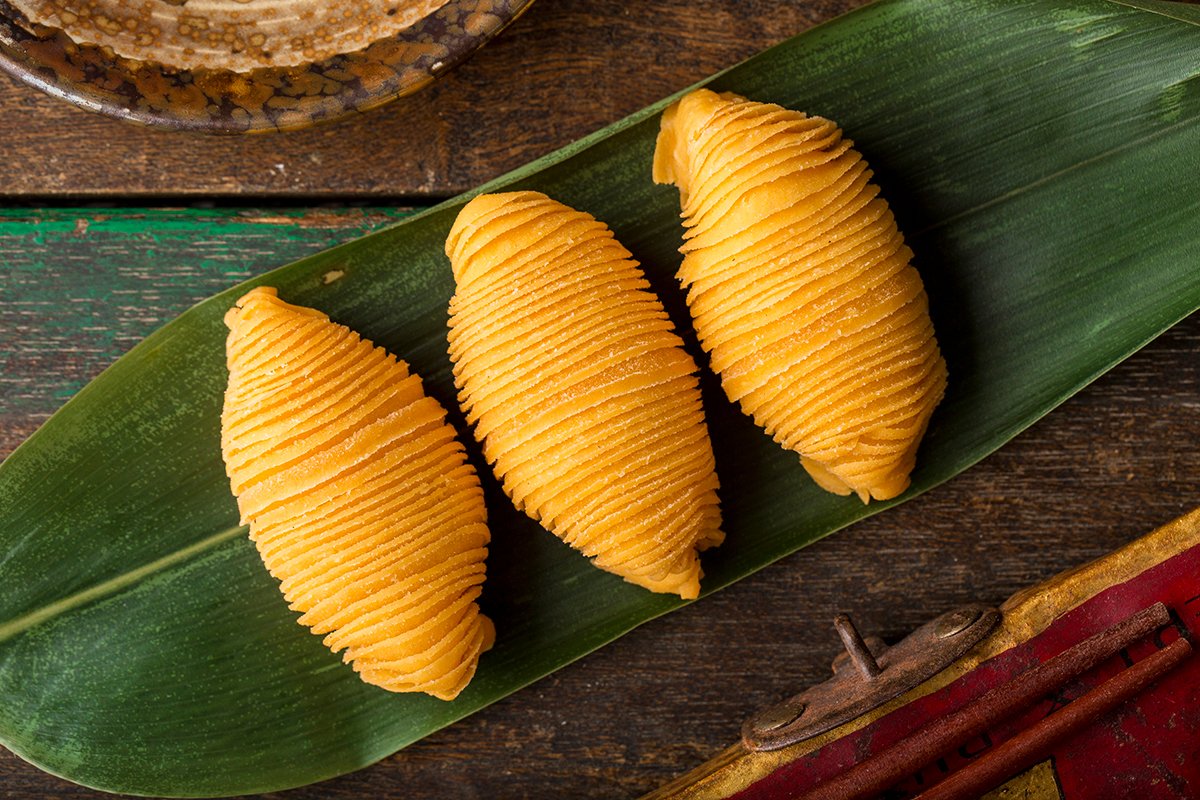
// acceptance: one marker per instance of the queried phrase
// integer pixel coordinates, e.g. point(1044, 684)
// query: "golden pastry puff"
point(800, 287)
point(586, 404)
point(358, 496)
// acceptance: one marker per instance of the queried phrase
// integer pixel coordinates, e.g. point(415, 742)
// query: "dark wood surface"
point(566, 68)
point(1115, 461)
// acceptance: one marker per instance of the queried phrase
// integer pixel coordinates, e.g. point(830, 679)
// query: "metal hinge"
point(867, 675)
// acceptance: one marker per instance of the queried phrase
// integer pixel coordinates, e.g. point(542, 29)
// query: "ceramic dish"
point(297, 62)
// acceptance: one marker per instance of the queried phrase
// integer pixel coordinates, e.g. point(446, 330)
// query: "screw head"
point(780, 716)
point(956, 622)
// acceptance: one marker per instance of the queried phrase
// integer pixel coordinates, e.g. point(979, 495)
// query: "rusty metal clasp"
point(879, 674)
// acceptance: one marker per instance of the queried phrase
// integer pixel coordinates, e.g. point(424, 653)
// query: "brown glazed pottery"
point(285, 64)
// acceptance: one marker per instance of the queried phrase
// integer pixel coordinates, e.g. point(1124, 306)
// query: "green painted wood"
point(83, 285)
point(1045, 266)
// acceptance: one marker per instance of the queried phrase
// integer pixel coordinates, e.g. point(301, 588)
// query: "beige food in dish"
point(587, 405)
point(238, 35)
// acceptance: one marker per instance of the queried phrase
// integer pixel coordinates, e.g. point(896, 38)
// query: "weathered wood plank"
point(80, 287)
point(566, 68)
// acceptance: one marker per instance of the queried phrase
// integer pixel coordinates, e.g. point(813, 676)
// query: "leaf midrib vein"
point(113, 585)
point(1159, 11)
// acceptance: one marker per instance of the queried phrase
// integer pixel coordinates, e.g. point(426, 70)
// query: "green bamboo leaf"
point(1041, 157)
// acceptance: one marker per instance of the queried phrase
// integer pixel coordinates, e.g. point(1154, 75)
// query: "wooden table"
point(80, 283)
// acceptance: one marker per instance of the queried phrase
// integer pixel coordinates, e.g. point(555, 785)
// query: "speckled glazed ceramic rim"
point(269, 99)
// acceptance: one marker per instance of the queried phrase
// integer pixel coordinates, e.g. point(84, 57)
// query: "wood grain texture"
point(1109, 465)
point(82, 286)
point(566, 68)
